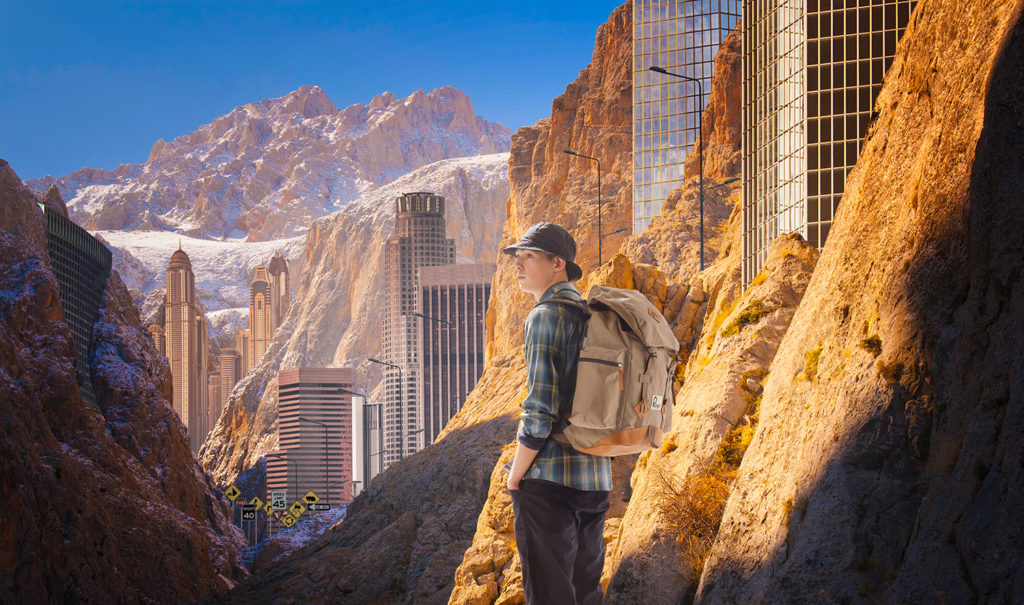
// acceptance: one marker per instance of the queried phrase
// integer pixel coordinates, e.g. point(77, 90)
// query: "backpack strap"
point(581, 306)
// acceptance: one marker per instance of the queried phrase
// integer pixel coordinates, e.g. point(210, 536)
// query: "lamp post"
point(587, 157)
point(401, 410)
point(700, 148)
point(326, 454)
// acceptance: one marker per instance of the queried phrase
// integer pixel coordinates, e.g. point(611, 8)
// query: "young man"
point(559, 495)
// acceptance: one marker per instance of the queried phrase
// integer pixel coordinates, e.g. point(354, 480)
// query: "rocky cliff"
point(886, 464)
point(96, 505)
point(336, 318)
point(268, 169)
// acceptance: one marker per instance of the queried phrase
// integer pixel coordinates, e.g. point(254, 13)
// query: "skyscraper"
point(454, 298)
point(278, 271)
point(242, 346)
point(214, 397)
point(314, 433)
point(367, 442)
point(261, 316)
point(811, 72)
point(419, 241)
point(156, 332)
point(683, 37)
point(187, 346)
point(81, 265)
point(230, 374)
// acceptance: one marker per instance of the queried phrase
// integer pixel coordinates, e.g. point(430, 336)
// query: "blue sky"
point(97, 83)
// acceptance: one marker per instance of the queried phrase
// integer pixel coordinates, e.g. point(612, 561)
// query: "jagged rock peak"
point(53, 200)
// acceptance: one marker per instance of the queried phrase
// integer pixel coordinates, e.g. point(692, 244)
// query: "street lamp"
point(700, 148)
point(326, 454)
point(580, 155)
point(401, 409)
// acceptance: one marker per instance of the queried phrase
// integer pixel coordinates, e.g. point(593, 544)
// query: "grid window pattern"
point(419, 241)
point(81, 265)
point(452, 352)
point(682, 36)
point(812, 70)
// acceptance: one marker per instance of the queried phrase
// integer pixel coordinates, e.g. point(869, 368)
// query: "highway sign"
point(248, 512)
point(297, 509)
point(319, 506)
point(232, 493)
point(311, 497)
point(267, 510)
point(256, 500)
point(279, 499)
point(288, 520)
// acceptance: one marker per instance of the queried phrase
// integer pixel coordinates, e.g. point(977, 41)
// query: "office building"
point(186, 349)
point(230, 374)
point(682, 36)
point(81, 265)
point(453, 303)
point(156, 332)
point(367, 442)
point(242, 346)
point(314, 434)
point(419, 241)
point(214, 398)
point(279, 298)
point(811, 73)
point(261, 316)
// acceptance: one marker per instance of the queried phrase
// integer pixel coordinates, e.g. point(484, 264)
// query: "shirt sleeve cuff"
point(534, 443)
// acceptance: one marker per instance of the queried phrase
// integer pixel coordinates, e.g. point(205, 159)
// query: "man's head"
point(544, 256)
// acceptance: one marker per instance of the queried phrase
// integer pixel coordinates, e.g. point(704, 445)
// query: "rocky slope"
point(404, 538)
point(104, 505)
point(267, 169)
point(886, 466)
point(335, 318)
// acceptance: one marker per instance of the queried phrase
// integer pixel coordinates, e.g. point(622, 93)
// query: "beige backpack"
point(624, 397)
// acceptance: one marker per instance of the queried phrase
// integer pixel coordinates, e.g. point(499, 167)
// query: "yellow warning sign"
point(310, 498)
point(288, 520)
point(232, 493)
point(267, 509)
point(297, 509)
point(256, 500)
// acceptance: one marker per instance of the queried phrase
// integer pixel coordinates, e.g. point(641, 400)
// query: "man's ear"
point(559, 263)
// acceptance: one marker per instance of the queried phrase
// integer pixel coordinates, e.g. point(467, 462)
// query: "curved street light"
point(587, 157)
point(700, 147)
point(401, 410)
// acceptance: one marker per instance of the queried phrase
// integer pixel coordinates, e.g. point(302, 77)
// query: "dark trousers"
point(560, 538)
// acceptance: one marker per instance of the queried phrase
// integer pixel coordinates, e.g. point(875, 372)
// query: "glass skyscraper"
point(81, 264)
point(811, 72)
point(683, 37)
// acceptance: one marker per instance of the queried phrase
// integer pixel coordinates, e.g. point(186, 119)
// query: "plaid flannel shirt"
point(553, 335)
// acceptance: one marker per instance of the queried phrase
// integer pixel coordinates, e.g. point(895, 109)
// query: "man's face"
point(536, 272)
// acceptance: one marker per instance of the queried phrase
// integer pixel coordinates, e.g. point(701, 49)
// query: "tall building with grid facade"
point(187, 347)
point(682, 36)
point(262, 318)
point(419, 241)
point(454, 300)
point(314, 434)
point(81, 265)
point(230, 373)
point(367, 442)
point(812, 70)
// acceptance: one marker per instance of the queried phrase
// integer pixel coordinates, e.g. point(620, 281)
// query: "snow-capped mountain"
point(266, 170)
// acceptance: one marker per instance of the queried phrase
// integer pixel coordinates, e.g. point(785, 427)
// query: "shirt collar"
point(561, 286)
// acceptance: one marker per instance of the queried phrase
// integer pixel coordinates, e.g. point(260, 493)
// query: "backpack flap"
point(643, 318)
